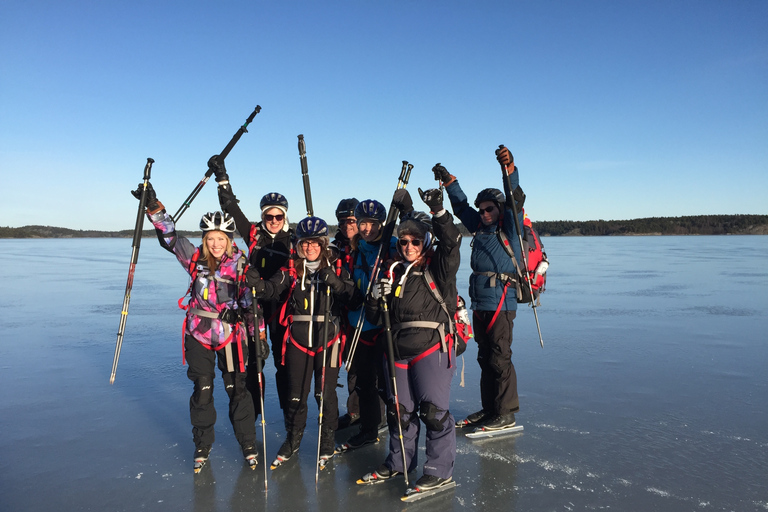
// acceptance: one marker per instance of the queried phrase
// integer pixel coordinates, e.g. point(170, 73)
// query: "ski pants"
point(424, 390)
point(301, 367)
point(363, 380)
point(498, 379)
point(201, 363)
point(276, 332)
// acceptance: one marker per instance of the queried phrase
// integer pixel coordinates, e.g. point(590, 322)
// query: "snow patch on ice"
point(138, 477)
point(658, 492)
point(761, 504)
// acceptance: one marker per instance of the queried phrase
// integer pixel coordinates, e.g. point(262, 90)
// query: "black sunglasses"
point(487, 209)
point(270, 218)
point(415, 242)
point(348, 222)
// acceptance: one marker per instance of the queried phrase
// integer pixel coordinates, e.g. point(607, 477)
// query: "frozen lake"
point(650, 392)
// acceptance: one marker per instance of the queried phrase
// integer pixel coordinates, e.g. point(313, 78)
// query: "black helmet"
point(490, 194)
point(346, 208)
point(370, 209)
point(418, 225)
point(274, 200)
point(311, 227)
point(217, 221)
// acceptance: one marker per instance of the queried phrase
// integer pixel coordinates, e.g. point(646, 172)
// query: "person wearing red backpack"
point(217, 315)
point(304, 289)
point(493, 292)
point(269, 247)
point(409, 299)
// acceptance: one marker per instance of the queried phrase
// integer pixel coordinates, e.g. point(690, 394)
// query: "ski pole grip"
point(302, 146)
point(148, 168)
point(253, 114)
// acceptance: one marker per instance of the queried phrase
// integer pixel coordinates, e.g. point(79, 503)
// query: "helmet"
point(346, 208)
point(370, 209)
point(311, 227)
point(418, 225)
point(217, 221)
point(274, 200)
point(490, 194)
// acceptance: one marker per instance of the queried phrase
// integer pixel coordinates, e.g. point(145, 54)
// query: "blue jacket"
point(363, 259)
point(488, 254)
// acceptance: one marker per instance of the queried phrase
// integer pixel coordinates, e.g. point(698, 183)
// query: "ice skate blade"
point(480, 433)
point(413, 495)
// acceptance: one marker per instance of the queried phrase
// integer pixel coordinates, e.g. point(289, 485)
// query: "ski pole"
point(389, 227)
point(188, 201)
point(393, 381)
point(260, 372)
point(132, 267)
point(305, 176)
point(326, 315)
point(510, 199)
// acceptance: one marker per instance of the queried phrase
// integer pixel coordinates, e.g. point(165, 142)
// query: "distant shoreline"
point(652, 226)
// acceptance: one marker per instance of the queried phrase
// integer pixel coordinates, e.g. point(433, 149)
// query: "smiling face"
point(410, 247)
point(488, 217)
point(311, 248)
point(217, 243)
point(369, 230)
point(348, 227)
point(274, 220)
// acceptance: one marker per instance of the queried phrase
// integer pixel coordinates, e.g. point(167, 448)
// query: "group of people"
point(309, 293)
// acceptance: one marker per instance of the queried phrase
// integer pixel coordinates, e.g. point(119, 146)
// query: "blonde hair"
point(210, 260)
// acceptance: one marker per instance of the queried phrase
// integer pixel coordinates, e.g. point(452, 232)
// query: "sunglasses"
point(487, 209)
point(347, 222)
point(309, 243)
point(270, 218)
point(415, 242)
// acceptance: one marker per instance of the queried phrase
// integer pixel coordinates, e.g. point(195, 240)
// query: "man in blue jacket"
point(493, 292)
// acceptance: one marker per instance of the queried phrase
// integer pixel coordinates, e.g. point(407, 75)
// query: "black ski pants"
point(201, 363)
point(498, 379)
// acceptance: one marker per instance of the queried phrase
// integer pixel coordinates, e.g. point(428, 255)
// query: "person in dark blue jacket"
point(493, 293)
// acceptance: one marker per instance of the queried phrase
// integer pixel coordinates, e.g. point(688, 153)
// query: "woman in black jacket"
point(313, 291)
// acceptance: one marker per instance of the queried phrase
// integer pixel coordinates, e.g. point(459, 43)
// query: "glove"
point(253, 280)
point(152, 204)
point(329, 277)
point(433, 198)
point(217, 166)
point(381, 288)
point(504, 156)
point(442, 174)
point(402, 201)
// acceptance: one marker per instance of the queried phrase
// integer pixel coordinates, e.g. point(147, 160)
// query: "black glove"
point(442, 174)
point(217, 166)
point(503, 156)
point(151, 202)
point(433, 198)
point(402, 201)
point(329, 277)
point(253, 280)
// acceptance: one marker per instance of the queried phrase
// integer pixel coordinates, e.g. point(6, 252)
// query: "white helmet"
point(218, 221)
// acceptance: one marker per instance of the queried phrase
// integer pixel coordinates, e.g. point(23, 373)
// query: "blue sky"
point(613, 109)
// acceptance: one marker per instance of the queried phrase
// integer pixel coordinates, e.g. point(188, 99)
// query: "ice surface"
point(650, 392)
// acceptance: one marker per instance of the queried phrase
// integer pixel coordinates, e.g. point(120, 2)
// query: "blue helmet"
point(274, 200)
point(370, 209)
point(311, 227)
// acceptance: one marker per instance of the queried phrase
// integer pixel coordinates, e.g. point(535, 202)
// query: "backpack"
point(536, 273)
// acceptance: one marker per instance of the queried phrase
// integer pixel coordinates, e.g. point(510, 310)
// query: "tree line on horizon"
point(690, 225)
